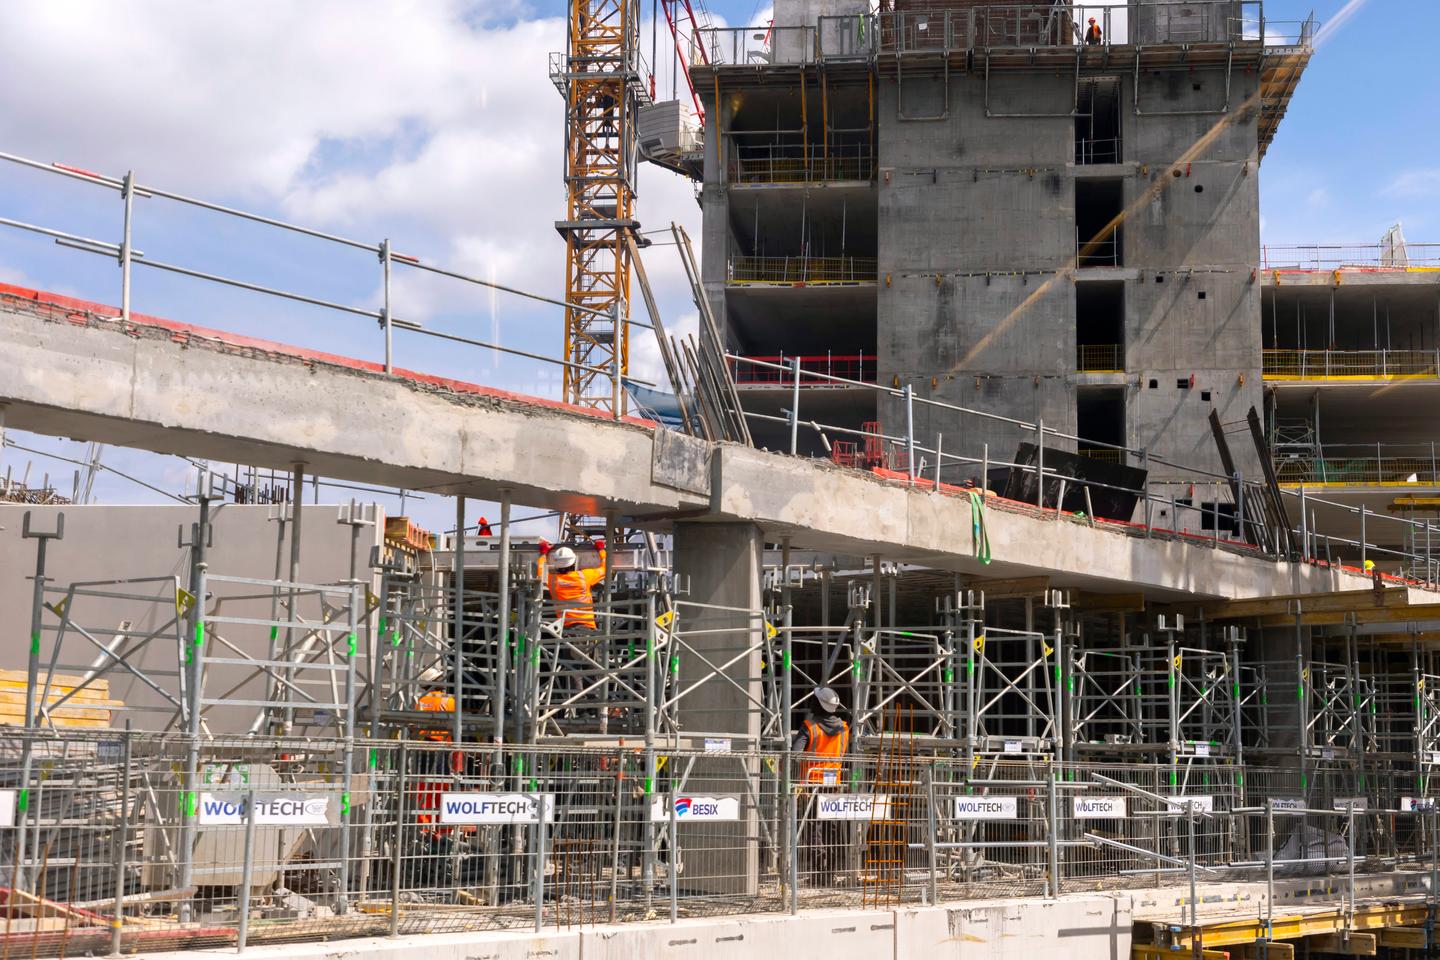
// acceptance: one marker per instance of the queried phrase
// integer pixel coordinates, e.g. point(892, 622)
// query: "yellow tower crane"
point(599, 74)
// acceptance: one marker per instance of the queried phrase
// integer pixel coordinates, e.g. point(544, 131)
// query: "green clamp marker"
point(949, 675)
point(649, 786)
point(22, 802)
point(344, 804)
point(192, 803)
point(374, 758)
point(785, 659)
point(350, 645)
point(35, 642)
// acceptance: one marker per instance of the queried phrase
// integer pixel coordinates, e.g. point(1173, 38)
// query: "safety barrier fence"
point(802, 270)
point(1282, 364)
point(1027, 25)
point(1100, 357)
point(1361, 463)
point(1193, 503)
point(430, 837)
point(781, 164)
point(852, 366)
point(1341, 256)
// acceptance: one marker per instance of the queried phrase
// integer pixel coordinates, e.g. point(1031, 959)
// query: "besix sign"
point(271, 810)
point(695, 807)
point(475, 808)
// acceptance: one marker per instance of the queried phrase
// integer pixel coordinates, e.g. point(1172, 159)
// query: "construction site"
point(1000, 429)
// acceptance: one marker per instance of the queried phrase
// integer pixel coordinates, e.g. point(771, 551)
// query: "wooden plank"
point(1013, 588)
point(1342, 601)
point(80, 699)
point(1356, 945)
point(66, 680)
point(1406, 938)
point(1265, 950)
point(1148, 951)
point(1088, 602)
point(1415, 613)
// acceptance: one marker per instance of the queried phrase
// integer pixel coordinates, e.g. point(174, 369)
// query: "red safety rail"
point(869, 453)
point(813, 369)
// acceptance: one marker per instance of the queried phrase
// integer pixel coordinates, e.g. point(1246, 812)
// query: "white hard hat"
point(827, 699)
point(562, 558)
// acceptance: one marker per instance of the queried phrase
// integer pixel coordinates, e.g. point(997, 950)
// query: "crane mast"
point(599, 74)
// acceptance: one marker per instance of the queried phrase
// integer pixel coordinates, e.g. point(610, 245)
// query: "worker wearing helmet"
point(825, 738)
point(822, 742)
point(436, 701)
point(1093, 34)
point(570, 585)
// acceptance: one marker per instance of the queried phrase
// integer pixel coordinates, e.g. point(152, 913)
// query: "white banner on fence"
point(986, 808)
point(852, 806)
point(689, 808)
point(7, 808)
point(1287, 804)
point(271, 810)
point(1182, 804)
point(1098, 808)
point(1416, 804)
point(717, 744)
point(1358, 804)
point(471, 808)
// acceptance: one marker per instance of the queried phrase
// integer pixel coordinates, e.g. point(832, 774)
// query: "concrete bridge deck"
point(70, 368)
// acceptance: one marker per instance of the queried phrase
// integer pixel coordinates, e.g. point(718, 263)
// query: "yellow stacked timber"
point(91, 707)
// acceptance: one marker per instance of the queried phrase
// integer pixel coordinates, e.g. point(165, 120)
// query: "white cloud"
point(1318, 197)
point(1423, 182)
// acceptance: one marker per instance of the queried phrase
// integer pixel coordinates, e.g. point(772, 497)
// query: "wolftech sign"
point(1099, 808)
point(271, 810)
point(692, 807)
point(854, 806)
point(467, 808)
point(986, 808)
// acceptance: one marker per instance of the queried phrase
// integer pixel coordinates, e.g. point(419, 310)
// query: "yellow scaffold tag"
point(184, 600)
point(1178, 659)
point(980, 643)
point(665, 619)
point(770, 631)
point(58, 607)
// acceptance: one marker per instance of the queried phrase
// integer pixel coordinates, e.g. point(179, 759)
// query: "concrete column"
point(721, 564)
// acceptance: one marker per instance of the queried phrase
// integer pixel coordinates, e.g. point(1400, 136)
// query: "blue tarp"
point(655, 404)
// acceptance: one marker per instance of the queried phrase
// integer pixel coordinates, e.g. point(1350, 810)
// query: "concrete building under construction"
point(1001, 424)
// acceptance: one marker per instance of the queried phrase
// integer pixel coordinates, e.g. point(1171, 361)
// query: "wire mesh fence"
point(111, 844)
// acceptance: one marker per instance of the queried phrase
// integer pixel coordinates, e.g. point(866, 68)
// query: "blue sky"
point(433, 123)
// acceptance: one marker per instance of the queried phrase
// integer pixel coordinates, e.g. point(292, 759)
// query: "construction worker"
point(1093, 36)
point(570, 588)
point(823, 741)
point(436, 701)
point(428, 792)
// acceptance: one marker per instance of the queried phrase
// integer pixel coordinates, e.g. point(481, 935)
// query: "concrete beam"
point(68, 368)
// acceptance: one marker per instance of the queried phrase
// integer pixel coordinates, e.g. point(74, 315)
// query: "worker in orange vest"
point(436, 701)
point(824, 736)
point(1093, 35)
point(570, 588)
point(823, 741)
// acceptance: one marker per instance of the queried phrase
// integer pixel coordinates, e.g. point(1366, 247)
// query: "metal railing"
point(437, 838)
point(1098, 251)
point(1189, 502)
point(1008, 25)
point(1361, 464)
point(129, 189)
point(802, 270)
point(1350, 256)
point(1100, 357)
point(779, 163)
point(850, 366)
point(1092, 150)
point(1282, 364)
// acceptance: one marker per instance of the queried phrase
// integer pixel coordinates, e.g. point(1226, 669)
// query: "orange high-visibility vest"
point(571, 592)
point(823, 744)
point(436, 701)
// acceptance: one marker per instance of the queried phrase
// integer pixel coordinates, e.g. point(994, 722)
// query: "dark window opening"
point(1200, 295)
point(1099, 236)
point(1205, 395)
point(1154, 384)
point(1212, 513)
point(1097, 122)
point(1100, 422)
point(1100, 326)
point(1182, 384)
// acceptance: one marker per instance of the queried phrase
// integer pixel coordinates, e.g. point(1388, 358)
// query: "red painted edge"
point(174, 327)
